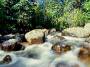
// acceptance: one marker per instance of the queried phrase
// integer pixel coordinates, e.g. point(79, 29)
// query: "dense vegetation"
point(24, 15)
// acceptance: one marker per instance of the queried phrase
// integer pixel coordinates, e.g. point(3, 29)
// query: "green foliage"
point(87, 10)
point(68, 14)
point(54, 10)
point(22, 14)
point(75, 18)
point(61, 23)
point(18, 13)
point(23, 11)
point(87, 6)
point(2, 15)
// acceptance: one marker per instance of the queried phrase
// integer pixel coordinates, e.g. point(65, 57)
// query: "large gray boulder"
point(76, 32)
point(36, 36)
point(87, 27)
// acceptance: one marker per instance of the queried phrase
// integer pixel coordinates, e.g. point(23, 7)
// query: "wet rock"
point(9, 36)
point(87, 40)
point(75, 32)
point(66, 63)
point(36, 36)
point(56, 49)
point(20, 37)
point(6, 37)
point(61, 48)
point(9, 42)
point(26, 44)
point(54, 39)
point(7, 59)
point(0, 35)
point(63, 64)
point(87, 27)
point(18, 47)
point(65, 60)
point(11, 45)
point(53, 30)
point(70, 38)
point(54, 36)
point(84, 54)
point(85, 45)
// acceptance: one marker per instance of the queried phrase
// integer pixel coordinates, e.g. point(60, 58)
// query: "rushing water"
point(42, 56)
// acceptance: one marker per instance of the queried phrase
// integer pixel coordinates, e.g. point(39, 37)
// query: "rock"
point(54, 39)
point(26, 44)
point(69, 38)
point(84, 54)
point(36, 36)
point(6, 37)
point(7, 59)
point(65, 64)
point(10, 36)
point(66, 61)
point(11, 45)
point(20, 37)
point(87, 27)
point(56, 49)
point(75, 32)
point(52, 30)
point(0, 35)
point(87, 40)
point(61, 48)
point(62, 64)
point(9, 42)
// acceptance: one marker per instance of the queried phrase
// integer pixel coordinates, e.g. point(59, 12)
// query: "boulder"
point(0, 35)
point(75, 32)
point(11, 45)
point(54, 39)
point(52, 30)
point(87, 27)
point(7, 60)
point(9, 36)
point(20, 37)
point(87, 39)
point(84, 54)
point(61, 48)
point(36, 36)
point(6, 37)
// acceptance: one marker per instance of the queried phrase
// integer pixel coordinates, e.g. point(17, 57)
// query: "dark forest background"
point(24, 15)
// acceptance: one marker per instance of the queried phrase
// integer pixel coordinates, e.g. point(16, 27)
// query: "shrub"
point(75, 18)
point(16, 14)
point(87, 10)
point(54, 10)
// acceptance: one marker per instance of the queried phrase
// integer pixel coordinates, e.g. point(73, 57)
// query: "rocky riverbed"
point(45, 48)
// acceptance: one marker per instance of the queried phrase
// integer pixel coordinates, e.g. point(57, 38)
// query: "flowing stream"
point(42, 56)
